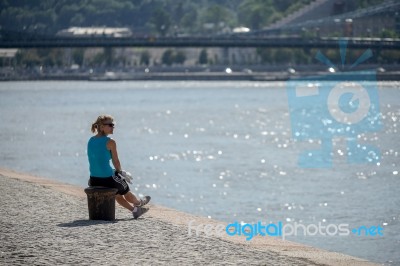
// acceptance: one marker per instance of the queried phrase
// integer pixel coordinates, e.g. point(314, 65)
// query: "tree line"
point(161, 17)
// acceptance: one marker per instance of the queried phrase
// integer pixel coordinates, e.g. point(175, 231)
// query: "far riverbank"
point(179, 73)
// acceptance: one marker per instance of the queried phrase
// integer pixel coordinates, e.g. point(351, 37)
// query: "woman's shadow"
point(82, 223)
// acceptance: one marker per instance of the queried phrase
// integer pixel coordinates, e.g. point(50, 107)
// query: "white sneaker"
point(138, 211)
point(144, 201)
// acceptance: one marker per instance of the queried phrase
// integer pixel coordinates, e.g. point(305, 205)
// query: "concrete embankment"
point(44, 222)
point(198, 76)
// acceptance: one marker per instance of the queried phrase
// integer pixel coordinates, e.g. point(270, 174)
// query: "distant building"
point(240, 30)
point(95, 32)
point(7, 57)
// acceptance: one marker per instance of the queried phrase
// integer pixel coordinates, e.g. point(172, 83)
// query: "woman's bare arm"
point(112, 146)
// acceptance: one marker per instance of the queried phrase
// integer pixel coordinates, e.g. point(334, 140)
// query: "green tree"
point(145, 58)
point(109, 56)
point(66, 13)
point(386, 33)
point(28, 57)
point(217, 14)
point(161, 21)
point(45, 57)
point(282, 5)
point(389, 57)
point(256, 13)
point(180, 57)
point(189, 20)
point(283, 56)
point(301, 56)
point(98, 60)
point(78, 56)
point(203, 57)
point(168, 57)
point(367, 3)
point(266, 55)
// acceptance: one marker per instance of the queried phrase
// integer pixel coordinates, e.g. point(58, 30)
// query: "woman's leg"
point(122, 201)
point(130, 197)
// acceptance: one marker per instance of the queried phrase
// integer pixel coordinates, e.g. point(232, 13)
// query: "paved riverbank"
point(44, 222)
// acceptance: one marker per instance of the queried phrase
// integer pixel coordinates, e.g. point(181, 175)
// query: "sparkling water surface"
point(223, 150)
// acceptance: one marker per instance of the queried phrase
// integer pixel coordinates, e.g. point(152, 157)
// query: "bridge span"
point(216, 41)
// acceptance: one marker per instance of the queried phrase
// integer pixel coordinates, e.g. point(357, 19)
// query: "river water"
point(218, 149)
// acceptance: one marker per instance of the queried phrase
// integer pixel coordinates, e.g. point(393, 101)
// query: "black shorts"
point(112, 182)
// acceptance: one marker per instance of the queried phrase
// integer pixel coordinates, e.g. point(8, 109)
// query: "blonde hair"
point(100, 120)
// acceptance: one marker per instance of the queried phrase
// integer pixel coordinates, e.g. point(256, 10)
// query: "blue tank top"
point(99, 157)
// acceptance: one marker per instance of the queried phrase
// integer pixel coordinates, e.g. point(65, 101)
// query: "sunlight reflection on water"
point(217, 149)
